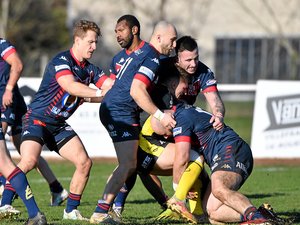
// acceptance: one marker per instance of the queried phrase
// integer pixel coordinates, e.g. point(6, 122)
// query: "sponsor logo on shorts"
point(216, 158)
point(226, 166)
point(241, 166)
point(146, 162)
point(12, 116)
point(214, 166)
point(111, 127)
point(113, 133)
point(26, 132)
point(69, 128)
point(126, 134)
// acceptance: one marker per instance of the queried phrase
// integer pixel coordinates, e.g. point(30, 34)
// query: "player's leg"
point(119, 202)
point(218, 212)
point(74, 151)
point(18, 180)
point(6, 166)
point(127, 157)
point(187, 180)
point(58, 193)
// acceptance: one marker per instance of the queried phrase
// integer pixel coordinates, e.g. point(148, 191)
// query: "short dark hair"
point(171, 72)
point(132, 21)
point(185, 43)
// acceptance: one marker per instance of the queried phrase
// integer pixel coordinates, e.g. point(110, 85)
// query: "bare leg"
point(75, 152)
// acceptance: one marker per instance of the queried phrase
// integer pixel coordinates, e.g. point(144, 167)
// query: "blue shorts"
point(236, 157)
point(53, 135)
point(120, 128)
point(12, 115)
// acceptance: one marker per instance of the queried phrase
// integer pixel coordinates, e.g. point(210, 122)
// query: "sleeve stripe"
point(143, 78)
point(101, 81)
point(63, 73)
point(182, 139)
point(9, 52)
point(210, 89)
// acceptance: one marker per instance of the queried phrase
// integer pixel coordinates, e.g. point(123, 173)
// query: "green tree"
point(38, 30)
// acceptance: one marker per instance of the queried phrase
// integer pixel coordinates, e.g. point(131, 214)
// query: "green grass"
point(278, 186)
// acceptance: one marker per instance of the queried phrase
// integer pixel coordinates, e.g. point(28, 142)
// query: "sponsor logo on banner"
point(284, 112)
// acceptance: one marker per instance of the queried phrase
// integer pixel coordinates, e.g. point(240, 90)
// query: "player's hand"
point(168, 121)
point(7, 98)
point(217, 122)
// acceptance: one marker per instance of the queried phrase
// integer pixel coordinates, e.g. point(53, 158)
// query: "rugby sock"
point(187, 179)
point(196, 204)
point(251, 213)
point(20, 183)
point(2, 179)
point(124, 191)
point(8, 194)
point(73, 202)
point(55, 187)
point(102, 207)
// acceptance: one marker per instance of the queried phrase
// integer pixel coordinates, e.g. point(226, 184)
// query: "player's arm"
point(140, 95)
point(158, 128)
point(16, 67)
point(105, 87)
point(69, 84)
point(181, 160)
point(218, 110)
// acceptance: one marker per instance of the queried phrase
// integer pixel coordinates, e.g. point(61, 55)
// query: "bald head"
point(164, 37)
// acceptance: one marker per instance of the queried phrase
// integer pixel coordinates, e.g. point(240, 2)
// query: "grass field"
point(277, 185)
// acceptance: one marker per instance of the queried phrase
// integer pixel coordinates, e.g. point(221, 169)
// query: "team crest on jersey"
point(177, 130)
point(138, 52)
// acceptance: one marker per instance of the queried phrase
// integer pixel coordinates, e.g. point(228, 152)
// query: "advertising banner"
point(276, 121)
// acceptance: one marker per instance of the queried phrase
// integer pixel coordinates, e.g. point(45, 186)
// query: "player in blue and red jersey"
point(228, 156)
point(10, 70)
point(134, 69)
point(13, 108)
point(64, 86)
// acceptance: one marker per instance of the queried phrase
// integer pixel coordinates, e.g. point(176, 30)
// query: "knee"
point(85, 165)
point(27, 163)
point(219, 193)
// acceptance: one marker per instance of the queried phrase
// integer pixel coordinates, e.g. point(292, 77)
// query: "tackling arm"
point(216, 104)
point(69, 84)
point(139, 93)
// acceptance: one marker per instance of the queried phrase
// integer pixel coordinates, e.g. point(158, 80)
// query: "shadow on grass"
point(259, 196)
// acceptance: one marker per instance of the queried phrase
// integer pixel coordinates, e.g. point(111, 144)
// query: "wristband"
point(9, 87)
point(159, 115)
point(99, 93)
point(175, 186)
